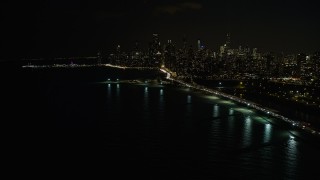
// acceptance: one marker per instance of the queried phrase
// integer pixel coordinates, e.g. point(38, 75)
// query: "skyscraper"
point(228, 41)
point(155, 51)
point(199, 44)
point(301, 64)
point(155, 44)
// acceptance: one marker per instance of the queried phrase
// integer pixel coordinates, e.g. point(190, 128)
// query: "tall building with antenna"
point(199, 45)
point(155, 51)
point(228, 41)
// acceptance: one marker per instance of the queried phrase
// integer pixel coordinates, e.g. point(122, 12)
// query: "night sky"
point(58, 28)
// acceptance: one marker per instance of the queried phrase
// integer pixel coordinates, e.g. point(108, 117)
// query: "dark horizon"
point(60, 29)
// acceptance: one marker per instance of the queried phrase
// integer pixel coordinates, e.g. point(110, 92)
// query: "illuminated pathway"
point(86, 65)
point(302, 125)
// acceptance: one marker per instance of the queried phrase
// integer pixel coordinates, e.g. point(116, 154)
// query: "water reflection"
point(161, 97)
point(231, 112)
point(109, 98)
point(146, 102)
point(247, 131)
point(291, 156)
point(109, 90)
point(146, 92)
point(230, 130)
point(118, 90)
point(215, 132)
point(267, 133)
point(215, 111)
point(189, 106)
point(189, 99)
point(161, 103)
point(226, 129)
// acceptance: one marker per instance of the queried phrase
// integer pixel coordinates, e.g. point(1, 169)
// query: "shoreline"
point(304, 127)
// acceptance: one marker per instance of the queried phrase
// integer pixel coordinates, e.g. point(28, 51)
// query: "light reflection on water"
point(215, 112)
point(267, 133)
point(189, 99)
point(189, 106)
point(161, 104)
point(247, 131)
point(146, 99)
point(231, 112)
point(145, 92)
point(118, 90)
point(232, 128)
point(291, 156)
point(109, 91)
point(161, 98)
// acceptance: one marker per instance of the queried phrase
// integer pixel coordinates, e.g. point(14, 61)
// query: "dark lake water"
point(149, 131)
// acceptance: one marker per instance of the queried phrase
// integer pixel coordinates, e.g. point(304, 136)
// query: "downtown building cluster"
point(225, 63)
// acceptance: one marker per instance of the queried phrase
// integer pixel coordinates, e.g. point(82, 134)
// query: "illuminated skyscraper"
point(199, 44)
point(316, 62)
point(228, 41)
point(301, 63)
point(118, 55)
point(255, 53)
point(118, 49)
point(155, 46)
point(155, 51)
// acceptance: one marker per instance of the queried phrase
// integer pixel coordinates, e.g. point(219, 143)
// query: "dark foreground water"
point(148, 131)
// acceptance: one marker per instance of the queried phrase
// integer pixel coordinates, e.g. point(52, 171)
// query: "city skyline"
point(194, 44)
point(197, 61)
point(56, 28)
